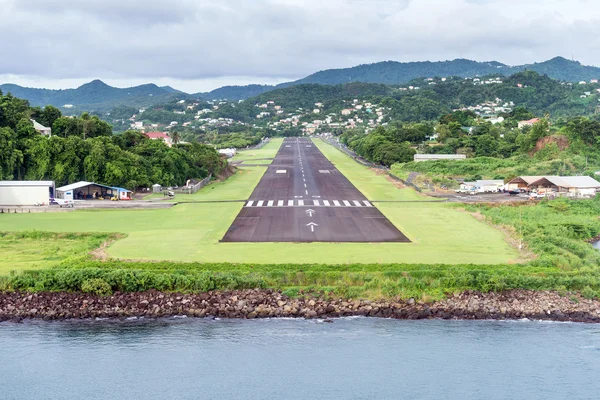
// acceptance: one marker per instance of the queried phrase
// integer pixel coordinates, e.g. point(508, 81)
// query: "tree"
point(48, 115)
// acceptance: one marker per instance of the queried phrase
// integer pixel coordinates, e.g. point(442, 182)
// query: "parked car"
point(62, 203)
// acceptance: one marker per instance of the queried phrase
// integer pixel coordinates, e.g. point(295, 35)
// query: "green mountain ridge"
point(100, 97)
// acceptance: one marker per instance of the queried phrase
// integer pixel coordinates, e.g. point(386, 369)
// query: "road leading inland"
point(302, 197)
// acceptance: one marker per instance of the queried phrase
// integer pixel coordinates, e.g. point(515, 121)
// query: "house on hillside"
point(160, 136)
point(529, 122)
point(41, 128)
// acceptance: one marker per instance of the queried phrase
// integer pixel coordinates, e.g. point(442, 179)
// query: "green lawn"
point(267, 151)
point(237, 187)
point(39, 250)
point(191, 232)
point(375, 186)
point(256, 162)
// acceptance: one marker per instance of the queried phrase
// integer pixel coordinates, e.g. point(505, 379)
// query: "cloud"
point(200, 40)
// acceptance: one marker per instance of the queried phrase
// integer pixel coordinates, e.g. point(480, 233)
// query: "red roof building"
point(160, 136)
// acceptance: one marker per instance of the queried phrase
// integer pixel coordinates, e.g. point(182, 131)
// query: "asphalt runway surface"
point(302, 197)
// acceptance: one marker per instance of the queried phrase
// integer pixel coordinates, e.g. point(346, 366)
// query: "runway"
point(302, 197)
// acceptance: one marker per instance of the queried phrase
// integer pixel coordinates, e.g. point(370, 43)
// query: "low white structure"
point(228, 152)
point(25, 193)
point(434, 157)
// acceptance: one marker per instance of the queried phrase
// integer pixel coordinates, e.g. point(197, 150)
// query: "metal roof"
point(26, 183)
point(571, 181)
point(79, 185)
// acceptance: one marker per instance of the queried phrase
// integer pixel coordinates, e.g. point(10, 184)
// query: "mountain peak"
point(96, 83)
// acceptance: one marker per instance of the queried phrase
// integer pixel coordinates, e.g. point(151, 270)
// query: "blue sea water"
point(351, 358)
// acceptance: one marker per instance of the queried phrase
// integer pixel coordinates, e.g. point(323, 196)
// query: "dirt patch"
point(562, 142)
point(100, 253)
point(226, 173)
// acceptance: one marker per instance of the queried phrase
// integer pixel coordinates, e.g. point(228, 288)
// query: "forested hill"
point(99, 97)
point(235, 92)
point(393, 72)
point(95, 96)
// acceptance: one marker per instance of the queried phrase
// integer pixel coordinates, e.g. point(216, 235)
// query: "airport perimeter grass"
point(267, 151)
point(375, 185)
point(35, 250)
point(237, 187)
point(191, 232)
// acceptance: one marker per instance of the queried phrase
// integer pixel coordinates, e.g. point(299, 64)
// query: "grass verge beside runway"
point(237, 187)
point(375, 186)
point(267, 151)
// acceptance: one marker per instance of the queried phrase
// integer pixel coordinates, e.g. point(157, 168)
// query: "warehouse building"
point(85, 191)
point(437, 157)
point(25, 193)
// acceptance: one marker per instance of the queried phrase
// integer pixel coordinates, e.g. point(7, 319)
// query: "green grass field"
point(236, 187)
point(267, 151)
point(191, 232)
point(38, 250)
point(376, 186)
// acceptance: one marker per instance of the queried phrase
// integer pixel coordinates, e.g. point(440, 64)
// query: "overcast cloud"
point(202, 44)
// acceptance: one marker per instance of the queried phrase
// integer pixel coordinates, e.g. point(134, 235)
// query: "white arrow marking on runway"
point(310, 212)
point(312, 226)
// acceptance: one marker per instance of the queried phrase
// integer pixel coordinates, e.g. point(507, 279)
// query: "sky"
point(199, 45)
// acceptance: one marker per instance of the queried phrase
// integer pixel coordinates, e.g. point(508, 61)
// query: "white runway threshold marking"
point(314, 202)
point(281, 171)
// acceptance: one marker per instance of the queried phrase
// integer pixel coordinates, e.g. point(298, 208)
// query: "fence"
point(195, 188)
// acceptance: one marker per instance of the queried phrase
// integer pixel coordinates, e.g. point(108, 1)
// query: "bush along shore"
point(268, 303)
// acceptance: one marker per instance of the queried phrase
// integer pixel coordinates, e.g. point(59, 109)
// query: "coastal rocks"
point(251, 304)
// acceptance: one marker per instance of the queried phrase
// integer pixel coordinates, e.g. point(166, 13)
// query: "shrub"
point(96, 286)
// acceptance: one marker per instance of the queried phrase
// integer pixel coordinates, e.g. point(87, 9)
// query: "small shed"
point(85, 191)
point(490, 185)
point(123, 194)
point(156, 188)
point(25, 193)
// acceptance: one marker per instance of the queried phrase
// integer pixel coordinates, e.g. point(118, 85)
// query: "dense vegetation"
point(84, 149)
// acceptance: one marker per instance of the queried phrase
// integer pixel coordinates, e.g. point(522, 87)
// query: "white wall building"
point(25, 193)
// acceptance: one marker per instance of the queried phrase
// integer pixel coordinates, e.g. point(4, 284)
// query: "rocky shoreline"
point(250, 304)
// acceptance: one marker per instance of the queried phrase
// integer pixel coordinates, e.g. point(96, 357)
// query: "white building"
point(41, 128)
point(25, 193)
point(434, 157)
